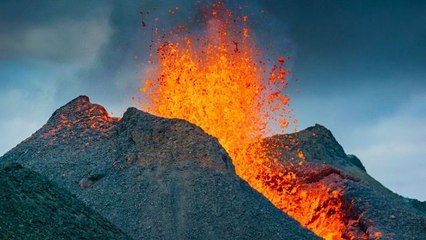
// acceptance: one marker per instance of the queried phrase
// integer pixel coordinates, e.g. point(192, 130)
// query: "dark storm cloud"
point(361, 66)
point(50, 30)
point(355, 38)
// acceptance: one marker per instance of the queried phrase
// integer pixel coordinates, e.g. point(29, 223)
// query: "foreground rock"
point(154, 178)
point(34, 208)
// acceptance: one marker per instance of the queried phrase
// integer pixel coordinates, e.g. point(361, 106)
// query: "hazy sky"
point(361, 67)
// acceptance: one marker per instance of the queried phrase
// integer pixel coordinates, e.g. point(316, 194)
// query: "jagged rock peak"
point(77, 118)
point(80, 99)
point(80, 107)
point(320, 129)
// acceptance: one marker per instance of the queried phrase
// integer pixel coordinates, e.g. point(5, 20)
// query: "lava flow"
point(217, 80)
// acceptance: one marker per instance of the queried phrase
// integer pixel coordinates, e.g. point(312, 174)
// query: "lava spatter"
point(218, 80)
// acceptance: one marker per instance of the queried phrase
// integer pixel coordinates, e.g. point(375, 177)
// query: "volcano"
point(159, 178)
point(153, 178)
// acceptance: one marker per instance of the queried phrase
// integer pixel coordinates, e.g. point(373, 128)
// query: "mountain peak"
point(318, 132)
point(318, 146)
point(80, 107)
point(75, 119)
point(79, 99)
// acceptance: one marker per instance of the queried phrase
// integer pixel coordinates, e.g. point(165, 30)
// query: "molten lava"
point(216, 80)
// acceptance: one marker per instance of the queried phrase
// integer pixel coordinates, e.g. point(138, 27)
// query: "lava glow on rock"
point(218, 80)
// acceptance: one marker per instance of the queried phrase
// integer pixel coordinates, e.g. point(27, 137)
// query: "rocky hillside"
point(32, 207)
point(367, 208)
point(154, 178)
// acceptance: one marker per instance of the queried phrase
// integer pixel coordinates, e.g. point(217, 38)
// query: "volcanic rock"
point(369, 210)
point(152, 177)
point(32, 207)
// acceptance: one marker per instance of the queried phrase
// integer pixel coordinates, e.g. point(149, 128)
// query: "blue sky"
point(361, 67)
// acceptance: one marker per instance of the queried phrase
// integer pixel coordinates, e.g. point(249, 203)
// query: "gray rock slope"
point(154, 178)
point(369, 206)
point(32, 207)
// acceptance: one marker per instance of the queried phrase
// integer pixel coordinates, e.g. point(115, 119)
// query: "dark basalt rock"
point(152, 177)
point(34, 208)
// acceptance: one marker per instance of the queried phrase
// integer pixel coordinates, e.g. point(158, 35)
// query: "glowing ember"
point(216, 80)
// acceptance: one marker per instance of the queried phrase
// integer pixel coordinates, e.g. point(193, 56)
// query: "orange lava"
point(216, 80)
